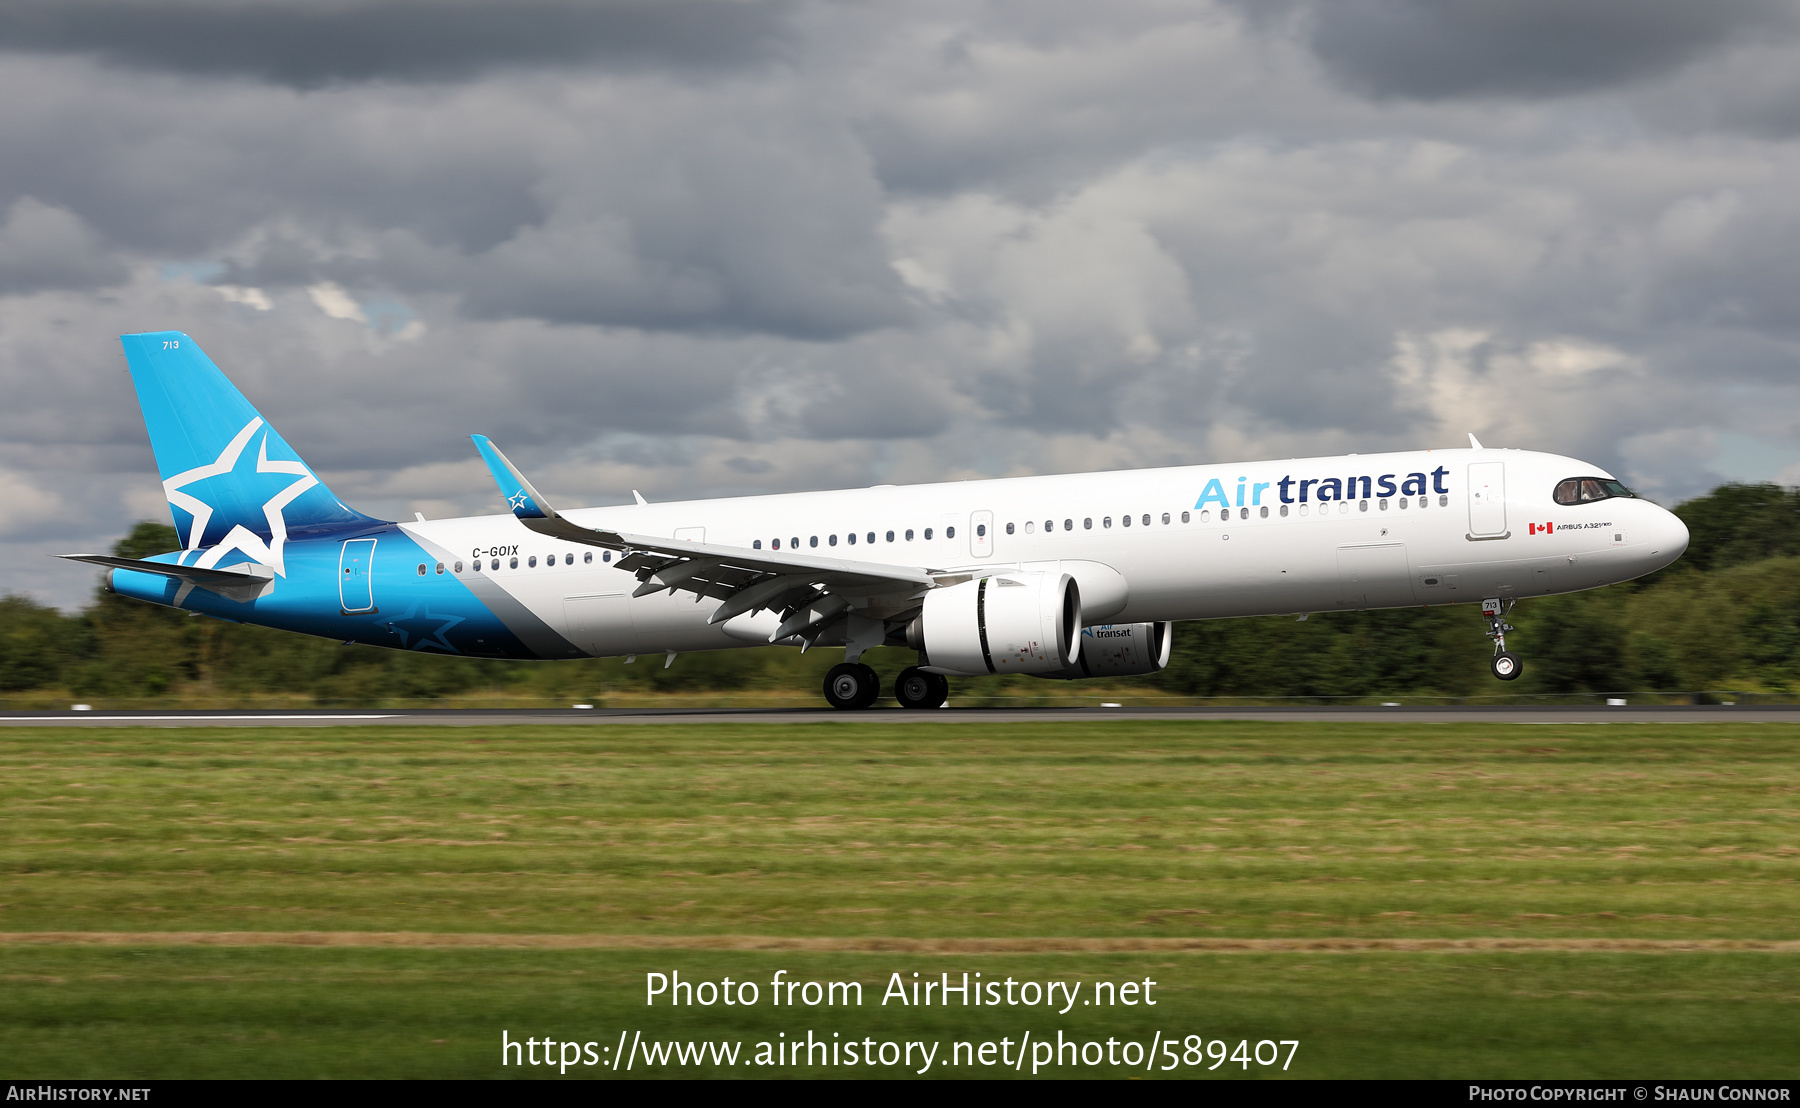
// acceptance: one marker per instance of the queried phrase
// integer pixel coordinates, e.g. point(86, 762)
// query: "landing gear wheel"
point(851, 686)
point(915, 688)
point(1506, 664)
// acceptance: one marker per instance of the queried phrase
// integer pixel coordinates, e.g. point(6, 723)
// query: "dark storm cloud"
point(42, 247)
point(1458, 48)
point(309, 43)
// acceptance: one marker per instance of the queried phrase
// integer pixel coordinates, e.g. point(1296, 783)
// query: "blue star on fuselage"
point(421, 631)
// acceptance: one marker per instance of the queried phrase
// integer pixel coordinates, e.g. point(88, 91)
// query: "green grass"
point(414, 1013)
point(1112, 831)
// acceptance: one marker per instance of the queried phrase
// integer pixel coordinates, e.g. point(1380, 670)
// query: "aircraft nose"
point(1669, 536)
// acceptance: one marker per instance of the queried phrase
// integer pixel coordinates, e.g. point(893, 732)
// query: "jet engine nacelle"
point(1005, 623)
point(1120, 650)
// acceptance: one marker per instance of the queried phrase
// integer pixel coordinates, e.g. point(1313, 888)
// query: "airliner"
point(1060, 577)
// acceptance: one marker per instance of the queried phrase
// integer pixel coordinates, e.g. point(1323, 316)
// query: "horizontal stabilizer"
point(243, 581)
point(240, 574)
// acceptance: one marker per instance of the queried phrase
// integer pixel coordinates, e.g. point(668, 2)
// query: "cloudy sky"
point(709, 247)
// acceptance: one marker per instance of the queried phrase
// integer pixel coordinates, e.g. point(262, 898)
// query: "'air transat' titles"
point(1301, 490)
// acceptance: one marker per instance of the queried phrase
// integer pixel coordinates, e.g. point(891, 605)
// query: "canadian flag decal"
point(1541, 528)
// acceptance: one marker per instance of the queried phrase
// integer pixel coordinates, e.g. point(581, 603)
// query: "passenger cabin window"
point(832, 541)
point(981, 530)
point(872, 536)
point(814, 541)
point(532, 561)
point(949, 533)
point(850, 538)
point(1586, 490)
point(909, 534)
point(928, 534)
point(1088, 523)
point(587, 557)
point(421, 569)
point(440, 567)
point(1009, 528)
point(757, 545)
point(1184, 517)
point(512, 563)
point(459, 567)
point(890, 537)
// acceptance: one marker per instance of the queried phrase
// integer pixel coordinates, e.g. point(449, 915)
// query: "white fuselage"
point(1220, 540)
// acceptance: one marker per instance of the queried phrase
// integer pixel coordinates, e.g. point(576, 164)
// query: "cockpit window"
point(1586, 490)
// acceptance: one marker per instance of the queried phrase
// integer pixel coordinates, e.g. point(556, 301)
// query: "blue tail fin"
point(235, 487)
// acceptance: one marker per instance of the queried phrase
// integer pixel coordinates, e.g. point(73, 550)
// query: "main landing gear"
point(915, 688)
point(851, 686)
point(1506, 665)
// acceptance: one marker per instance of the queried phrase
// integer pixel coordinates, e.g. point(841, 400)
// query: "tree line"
point(1726, 617)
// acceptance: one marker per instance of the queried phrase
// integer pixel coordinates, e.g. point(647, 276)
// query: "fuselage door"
point(1375, 575)
point(981, 534)
point(1487, 499)
point(356, 590)
point(602, 624)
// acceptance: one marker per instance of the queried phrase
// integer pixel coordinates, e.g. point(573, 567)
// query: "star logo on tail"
point(518, 500)
point(240, 538)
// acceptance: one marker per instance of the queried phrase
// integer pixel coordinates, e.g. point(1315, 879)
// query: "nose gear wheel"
point(1506, 665)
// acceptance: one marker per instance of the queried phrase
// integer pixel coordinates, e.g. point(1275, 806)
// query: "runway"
point(441, 717)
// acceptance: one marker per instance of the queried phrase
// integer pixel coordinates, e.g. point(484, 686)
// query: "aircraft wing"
point(809, 590)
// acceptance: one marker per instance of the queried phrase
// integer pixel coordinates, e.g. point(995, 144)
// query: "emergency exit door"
point(981, 534)
point(356, 590)
point(1487, 500)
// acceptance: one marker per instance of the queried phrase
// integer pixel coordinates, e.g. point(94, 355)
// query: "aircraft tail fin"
point(233, 483)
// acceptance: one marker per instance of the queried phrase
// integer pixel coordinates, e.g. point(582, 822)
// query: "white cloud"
point(331, 299)
point(251, 297)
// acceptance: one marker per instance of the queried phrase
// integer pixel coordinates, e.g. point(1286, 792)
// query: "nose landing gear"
point(1506, 665)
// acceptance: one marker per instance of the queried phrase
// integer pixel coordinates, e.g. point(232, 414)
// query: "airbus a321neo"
point(1062, 577)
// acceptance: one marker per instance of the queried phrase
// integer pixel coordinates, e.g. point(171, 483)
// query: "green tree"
point(1738, 523)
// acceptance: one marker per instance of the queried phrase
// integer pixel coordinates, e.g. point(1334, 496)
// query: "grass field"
point(1407, 900)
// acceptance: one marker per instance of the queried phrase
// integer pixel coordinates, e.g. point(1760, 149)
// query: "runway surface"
point(1516, 714)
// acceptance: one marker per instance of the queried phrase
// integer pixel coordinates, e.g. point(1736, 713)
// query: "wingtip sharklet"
point(522, 499)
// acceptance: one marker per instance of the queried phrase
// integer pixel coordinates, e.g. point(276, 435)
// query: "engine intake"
point(1120, 650)
point(1006, 623)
